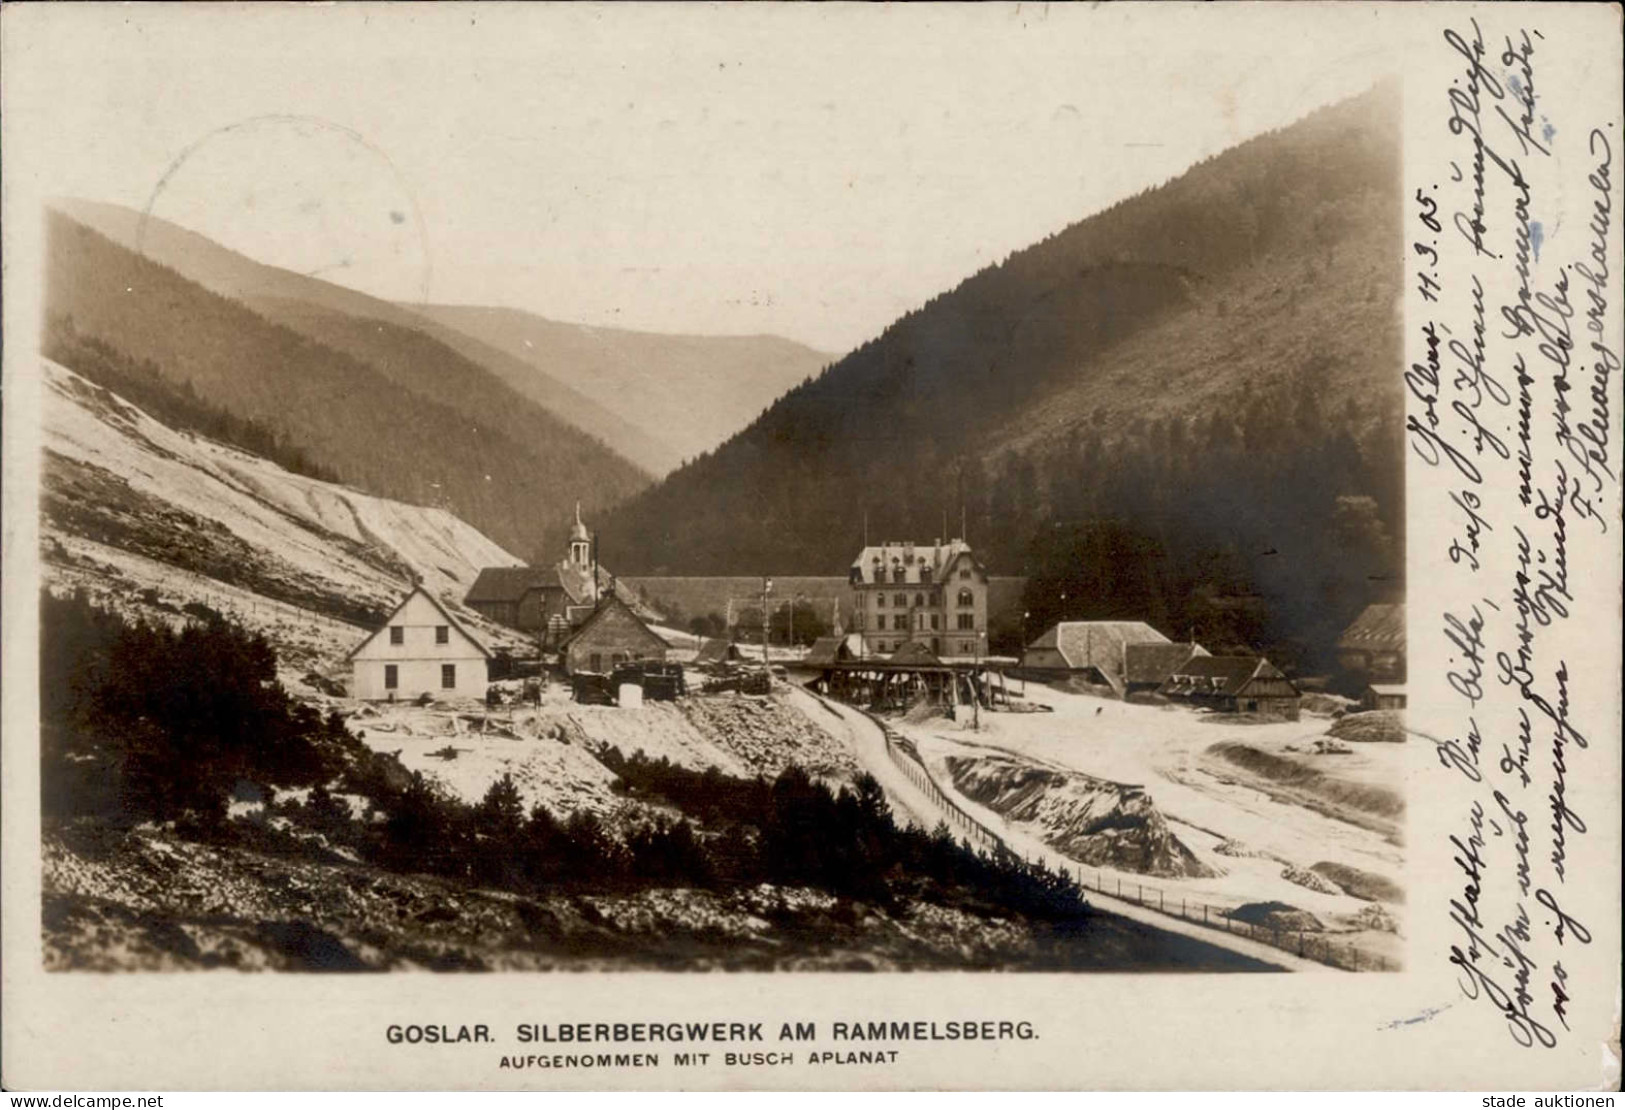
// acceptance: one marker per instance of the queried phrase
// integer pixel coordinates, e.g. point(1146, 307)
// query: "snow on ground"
point(552, 750)
point(1164, 749)
point(453, 752)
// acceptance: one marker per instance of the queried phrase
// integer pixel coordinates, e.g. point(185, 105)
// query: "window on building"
point(901, 601)
point(595, 662)
point(964, 572)
point(857, 622)
point(936, 646)
point(880, 601)
point(442, 634)
point(936, 621)
point(900, 622)
point(967, 621)
point(448, 676)
point(392, 677)
point(966, 599)
point(919, 601)
point(898, 574)
point(397, 634)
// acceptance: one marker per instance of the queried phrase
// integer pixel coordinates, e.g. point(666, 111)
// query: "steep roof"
point(916, 652)
point(1097, 643)
point(432, 600)
point(1379, 627)
point(912, 557)
point(502, 583)
point(716, 650)
point(1219, 674)
point(826, 650)
point(1155, 662)
point(610, 604)
point(512, 583)
point(573, 580)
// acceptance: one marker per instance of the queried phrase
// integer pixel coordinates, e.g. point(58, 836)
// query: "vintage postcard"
point(834, 546)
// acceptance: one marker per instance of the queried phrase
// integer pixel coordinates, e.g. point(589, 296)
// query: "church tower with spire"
point(580, 544)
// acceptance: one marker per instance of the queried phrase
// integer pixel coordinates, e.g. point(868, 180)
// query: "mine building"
point(1147, 666)
point(420, 649)
point(1384, 695)
point(1233, 684)
point(933, 594)
point(611, 636)
point(1375, 644)
point(1095, 652)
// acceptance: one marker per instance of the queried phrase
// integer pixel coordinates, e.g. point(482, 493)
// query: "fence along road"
point(915, 795)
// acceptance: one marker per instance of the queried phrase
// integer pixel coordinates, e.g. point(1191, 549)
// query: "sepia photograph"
point(384, 633)
point(707, 492)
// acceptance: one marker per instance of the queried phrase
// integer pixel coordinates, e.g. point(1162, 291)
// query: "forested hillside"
point(425, 427)
point(1183, 409)
point(270, 289)
point(691, 392)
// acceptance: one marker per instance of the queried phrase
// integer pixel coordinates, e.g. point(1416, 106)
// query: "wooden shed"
point(1375, 644)
point(1233, 684)
point(1384, 696)
point(1147, 666)
point(612, 635)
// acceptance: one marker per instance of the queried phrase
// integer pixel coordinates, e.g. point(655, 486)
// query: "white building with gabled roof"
point(421, 649)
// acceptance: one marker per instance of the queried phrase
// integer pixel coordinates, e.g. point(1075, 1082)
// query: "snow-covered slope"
point(147, 515)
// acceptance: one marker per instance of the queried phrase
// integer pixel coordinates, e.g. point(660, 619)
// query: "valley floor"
point(1263, 814)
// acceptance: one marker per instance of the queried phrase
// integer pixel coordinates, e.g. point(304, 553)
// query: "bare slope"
point(1105, 824)
point(433, 428)
point(161, 518)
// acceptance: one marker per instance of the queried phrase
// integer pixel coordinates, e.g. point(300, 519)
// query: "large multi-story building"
point(934, 595)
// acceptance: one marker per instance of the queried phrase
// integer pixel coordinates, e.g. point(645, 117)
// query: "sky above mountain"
point(808, 172)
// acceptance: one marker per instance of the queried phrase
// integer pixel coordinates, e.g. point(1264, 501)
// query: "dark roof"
point(1379, 628)
point(610, 603)
point(1218, 674)
point(504, 583)
point(1155, 662)
point(937, 558)
point(450, 620)
point(915, 652)
point(513, 583)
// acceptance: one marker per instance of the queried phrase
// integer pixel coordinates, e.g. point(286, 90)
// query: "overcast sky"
point(811, 172)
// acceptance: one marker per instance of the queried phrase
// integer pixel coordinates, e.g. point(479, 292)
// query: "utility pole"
point(975, 693)
point(767, 669)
